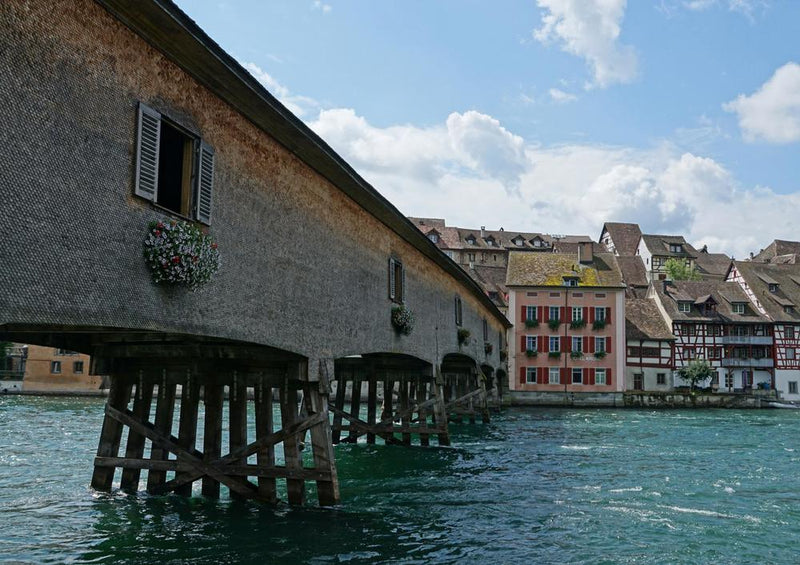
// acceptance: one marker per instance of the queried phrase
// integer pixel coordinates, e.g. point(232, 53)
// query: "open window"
point(174, 168)
point(397, 281)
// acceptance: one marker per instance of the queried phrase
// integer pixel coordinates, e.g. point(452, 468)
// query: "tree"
point(697, 371)
point(678, 271)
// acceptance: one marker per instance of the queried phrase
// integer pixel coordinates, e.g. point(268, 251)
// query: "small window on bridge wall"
point(174, 168)
point(485, 330)
point(397, 281)
point(459, 311)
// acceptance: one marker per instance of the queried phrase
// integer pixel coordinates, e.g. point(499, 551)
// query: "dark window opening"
point(175, 163)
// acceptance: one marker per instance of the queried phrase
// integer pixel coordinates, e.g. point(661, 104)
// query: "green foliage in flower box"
point(554, 355)
point(554, 324)
point(179, 253)
point(531, 323)
point(598, 325)
point(531, 353)
point(463, 336)
point(402, 319)
point(577, 324)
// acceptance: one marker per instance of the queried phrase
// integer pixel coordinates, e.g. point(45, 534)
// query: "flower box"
point(463, 336)
point(531, 323)
point(531, 353)
point(179, 253)
point(402, 319)
point(554, 324)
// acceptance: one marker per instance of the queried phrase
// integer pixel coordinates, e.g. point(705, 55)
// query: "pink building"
point(568, 311)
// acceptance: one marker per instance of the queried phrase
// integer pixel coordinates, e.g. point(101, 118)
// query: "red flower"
point(213, 246)
point(160, 225)
point(157, 232)
point(176, 259)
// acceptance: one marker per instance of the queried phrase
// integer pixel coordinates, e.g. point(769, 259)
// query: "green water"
point(534, 486)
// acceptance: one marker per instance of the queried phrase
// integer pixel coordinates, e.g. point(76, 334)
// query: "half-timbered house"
point(716, 321)
point(774, 291)
point(650, 347)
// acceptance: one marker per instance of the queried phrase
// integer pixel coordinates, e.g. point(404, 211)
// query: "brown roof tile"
point(725, 294)
point(787, 277)
point(625, 236)
point(644, 321)
point(633, 271)
point(659, 245)
point(550, 269)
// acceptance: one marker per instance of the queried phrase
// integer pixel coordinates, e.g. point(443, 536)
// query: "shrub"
point(179, 253)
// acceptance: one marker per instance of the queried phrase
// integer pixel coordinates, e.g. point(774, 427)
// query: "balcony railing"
point(748, 362)
point(747, 339)
point(11, 375)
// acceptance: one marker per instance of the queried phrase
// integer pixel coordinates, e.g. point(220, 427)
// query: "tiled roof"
point(492, 280)
point(633, 271)
point(776, 248)
point(425, 223)
point(787, 277)
point(725, 294)
point(713, 265)
point(550, 269)
point(644, 321)
point(659, 245)
point(625, 237)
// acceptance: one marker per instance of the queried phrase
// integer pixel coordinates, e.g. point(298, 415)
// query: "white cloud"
point(590, 29)
point(744, 7)
point(473, 171)
point(561, 97)
point(319, 5)
point(772, 113)
point(299, 105)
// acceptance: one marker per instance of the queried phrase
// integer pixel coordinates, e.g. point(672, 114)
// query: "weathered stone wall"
point(304, 267)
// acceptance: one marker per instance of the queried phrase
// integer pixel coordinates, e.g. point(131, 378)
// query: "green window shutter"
point(147, 143)
point(205, 182)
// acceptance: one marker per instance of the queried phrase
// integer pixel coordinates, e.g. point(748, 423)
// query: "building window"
point(599, 294)
point(684, 306)
point(553, 376)
point(577, 376)
point(688, 352)
point(450, 254)
point(485, 330)
point(789, 332)
point(555, 294)
point(397, 281)
point(773, 288)
point(577, 344)
point(555, 343)
point(471, 240)
point(790, 353)
point(728, 380)
point(599, 345)
point(788, 309)
point(553, 313)
point(530, 313)
point(715, 330)
point(600, 314)
point(471, 257)
point(55, 367)
point(738, 307)
point(530, 342)
point(675, 248)
point(792, 387)
point(656, 262)
point(433, 237)
point(740, 331)
point(530, 375)
point(577, 313)
point(570, 281)
point(600, 376)
point(661, 378)
point(459, 313)
point(174, 168)
point(77, 367)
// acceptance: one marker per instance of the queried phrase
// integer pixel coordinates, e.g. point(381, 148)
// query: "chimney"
point(483, 232)
point(585, 252)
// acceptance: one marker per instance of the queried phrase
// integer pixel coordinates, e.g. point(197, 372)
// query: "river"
point(594, 486)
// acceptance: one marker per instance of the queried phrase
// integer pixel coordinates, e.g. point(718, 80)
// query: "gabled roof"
point(713, 265)
point(624, 236)
point(776, 248)
point(643, 321)
point(550, 269)
point(725, 294)
point(633, 271)
point(659, 245)
point(787, 277)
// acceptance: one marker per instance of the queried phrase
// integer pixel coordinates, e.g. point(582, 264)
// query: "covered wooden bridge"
point(167, 215)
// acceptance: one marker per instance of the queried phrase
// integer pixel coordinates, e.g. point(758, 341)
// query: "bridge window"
point(459, 312)
point(397, 281)
point(77, 367)
point(485, 330)
point(55, 367)
point(174, 169)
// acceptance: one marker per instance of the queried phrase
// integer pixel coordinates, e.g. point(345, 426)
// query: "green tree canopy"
point(697, 371)
point(678, 271)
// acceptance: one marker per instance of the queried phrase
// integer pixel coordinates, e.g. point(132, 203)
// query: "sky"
point(549, 116)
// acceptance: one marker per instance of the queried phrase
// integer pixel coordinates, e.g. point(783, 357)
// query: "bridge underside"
point(191, 409)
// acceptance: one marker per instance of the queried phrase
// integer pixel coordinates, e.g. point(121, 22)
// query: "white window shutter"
point(149, 137)
point(205, 182)
point(391, 279)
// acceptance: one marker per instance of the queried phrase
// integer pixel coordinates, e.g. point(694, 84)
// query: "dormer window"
point(788, 309)
point(738, 307)
point(489, 241)
point(773, 288)
point(471, 240)
point(518, 241)
point(433, 237)
point(570, 281)
point(684, 306)
point(675, 248)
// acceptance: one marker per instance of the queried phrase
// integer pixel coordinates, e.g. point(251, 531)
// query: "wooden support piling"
point(187, 431)
point(165, 409)
point(212, 434)
point(143, 400)
point(267, 487)
point(110, 436)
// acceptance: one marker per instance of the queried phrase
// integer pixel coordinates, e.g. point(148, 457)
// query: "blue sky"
point(547, 115)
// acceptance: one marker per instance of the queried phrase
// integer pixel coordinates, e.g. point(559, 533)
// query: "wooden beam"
point(165, 410)
point(111, 434)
